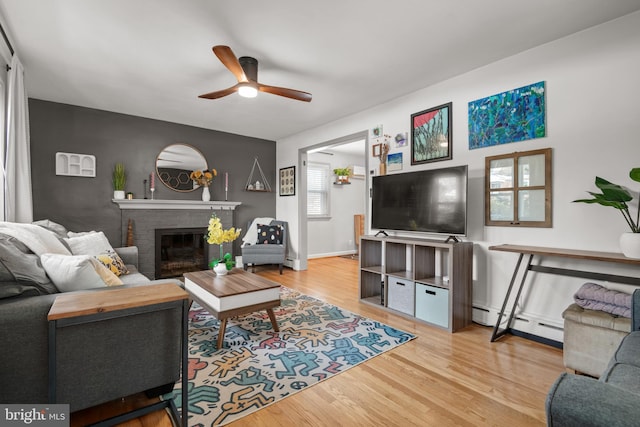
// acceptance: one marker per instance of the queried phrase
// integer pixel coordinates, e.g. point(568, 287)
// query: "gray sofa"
point(96, 362)
point(612, 400)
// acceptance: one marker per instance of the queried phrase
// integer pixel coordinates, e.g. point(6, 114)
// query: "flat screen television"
point(429, 201)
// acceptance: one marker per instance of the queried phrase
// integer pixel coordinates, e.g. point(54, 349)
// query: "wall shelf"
point(175, 204)
point(250, 186)
point(71, 164)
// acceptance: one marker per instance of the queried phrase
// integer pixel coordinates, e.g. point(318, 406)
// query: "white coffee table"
point(234, 294)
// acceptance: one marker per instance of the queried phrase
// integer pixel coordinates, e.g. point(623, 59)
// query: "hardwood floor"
point(438, 379)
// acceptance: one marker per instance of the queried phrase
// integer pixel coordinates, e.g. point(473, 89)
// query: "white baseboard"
point(331, 254)
point(524, 322)
point(292, 263)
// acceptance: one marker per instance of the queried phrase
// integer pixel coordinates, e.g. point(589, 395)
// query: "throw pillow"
point(77, 272)
point(93, 243)
point(105, 274)
point(113, 262)
point(79, 233)
point(269, 235)
point(251, 233)
point(60, 230)
point(21, 273)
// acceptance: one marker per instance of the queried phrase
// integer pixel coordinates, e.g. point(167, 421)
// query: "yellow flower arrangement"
point(216, 235)
point(203, 177)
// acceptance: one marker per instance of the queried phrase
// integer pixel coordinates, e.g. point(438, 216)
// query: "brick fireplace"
point(180, 250)
point(147, 216)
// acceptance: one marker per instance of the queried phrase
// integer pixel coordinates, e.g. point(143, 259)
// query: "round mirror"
point(176, 162)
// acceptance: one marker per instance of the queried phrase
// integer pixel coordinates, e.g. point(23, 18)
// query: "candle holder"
point(144, 183)
point(152, 191)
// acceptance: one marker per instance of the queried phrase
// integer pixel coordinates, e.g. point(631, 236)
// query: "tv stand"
point(382, 233)
point(430, 280)
point(453, 239)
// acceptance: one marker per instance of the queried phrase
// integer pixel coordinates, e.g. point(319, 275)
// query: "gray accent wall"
point(82, 204)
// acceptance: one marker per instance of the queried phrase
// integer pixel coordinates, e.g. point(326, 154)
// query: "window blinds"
point(318, 189)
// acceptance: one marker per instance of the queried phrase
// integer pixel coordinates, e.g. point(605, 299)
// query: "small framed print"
point(376, 132)
point(394, 162)
point(288, 181)
point(402, 140)
point(376, 150)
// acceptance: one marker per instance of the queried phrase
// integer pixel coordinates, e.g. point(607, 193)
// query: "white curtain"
point(18, 203)
point(3, 134)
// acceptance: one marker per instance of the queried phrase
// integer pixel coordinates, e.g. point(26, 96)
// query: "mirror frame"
point(162, 176)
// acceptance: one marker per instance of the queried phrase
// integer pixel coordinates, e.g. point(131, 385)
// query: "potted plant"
point(119, 179)
point(216, 235)
point(616, 196)
point(343, 174)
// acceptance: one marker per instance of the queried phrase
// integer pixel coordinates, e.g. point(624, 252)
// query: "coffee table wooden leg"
point(272, 316)
point(223, 327)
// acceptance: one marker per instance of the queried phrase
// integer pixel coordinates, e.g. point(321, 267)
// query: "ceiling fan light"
point(247, 91)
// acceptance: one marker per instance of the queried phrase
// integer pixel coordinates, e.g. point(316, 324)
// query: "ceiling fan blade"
point(220, 93)
point(283, 91)
point(229, 60)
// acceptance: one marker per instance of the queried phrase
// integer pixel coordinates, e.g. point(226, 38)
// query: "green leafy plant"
point(616, 196)
point(225, 259)
point(342, 171)
point(119, 177)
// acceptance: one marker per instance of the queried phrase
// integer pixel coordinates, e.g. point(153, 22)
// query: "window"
point(318, 175)
point(518, 189)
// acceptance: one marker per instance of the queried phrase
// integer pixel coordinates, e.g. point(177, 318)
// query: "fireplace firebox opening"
point(179, 251)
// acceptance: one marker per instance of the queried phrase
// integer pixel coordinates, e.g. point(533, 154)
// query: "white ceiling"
point(152, 58)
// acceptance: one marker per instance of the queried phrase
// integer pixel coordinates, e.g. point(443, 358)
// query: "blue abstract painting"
point(515, 115)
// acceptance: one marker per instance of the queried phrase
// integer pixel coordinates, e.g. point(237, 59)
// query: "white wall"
point(335, 235)
point(593, 126)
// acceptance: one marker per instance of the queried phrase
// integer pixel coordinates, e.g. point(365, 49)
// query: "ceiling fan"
point(245, 69)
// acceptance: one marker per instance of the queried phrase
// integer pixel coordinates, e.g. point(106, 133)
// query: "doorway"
point(329, 153)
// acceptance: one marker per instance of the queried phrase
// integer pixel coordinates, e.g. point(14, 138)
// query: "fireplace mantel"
point(175, 204)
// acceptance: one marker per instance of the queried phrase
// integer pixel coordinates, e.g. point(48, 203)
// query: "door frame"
point(302, 200)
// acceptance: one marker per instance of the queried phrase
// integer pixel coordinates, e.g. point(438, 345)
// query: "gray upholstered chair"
point(271, 253)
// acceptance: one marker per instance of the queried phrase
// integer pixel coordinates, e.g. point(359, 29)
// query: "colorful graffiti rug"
point(257, 366)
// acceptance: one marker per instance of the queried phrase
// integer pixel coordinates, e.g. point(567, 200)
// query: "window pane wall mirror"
point(518, 189)
point(175, 163)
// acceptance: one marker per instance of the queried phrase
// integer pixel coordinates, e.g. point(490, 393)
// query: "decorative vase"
point(383, 168)
point(118, 194)
point(206, 196)
point(220, 269)
point(630, 245)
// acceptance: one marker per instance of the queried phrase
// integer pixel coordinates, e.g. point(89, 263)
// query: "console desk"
point(541, 252)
